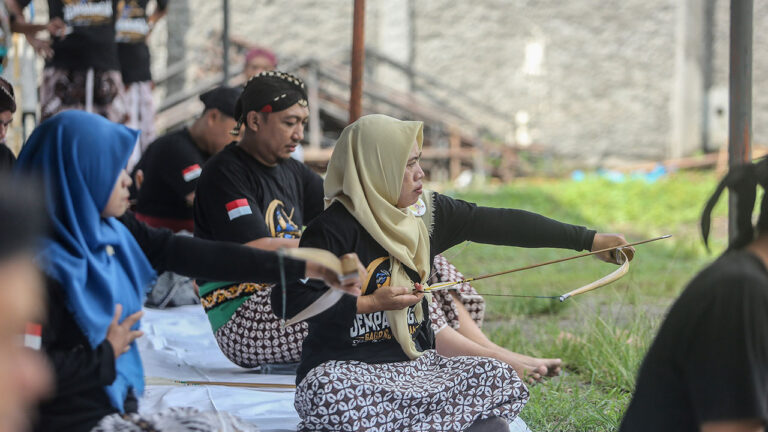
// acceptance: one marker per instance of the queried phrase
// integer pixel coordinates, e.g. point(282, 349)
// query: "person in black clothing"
point(169, 170)
point(707, 368)
point(97, 268)
point(133, 29)
point(84, 72)
point(380, 345)
point(7, 109)
point(24, 375)
point(253, 193)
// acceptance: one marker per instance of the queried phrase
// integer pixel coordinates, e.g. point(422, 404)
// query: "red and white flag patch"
point(33, 336)
point(237, 208)
point(191, 172)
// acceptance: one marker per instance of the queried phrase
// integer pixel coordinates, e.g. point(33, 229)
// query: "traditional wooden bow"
point(330, 297)
point(613, 276)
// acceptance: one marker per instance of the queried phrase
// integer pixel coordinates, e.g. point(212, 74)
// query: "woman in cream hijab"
point(369, 362)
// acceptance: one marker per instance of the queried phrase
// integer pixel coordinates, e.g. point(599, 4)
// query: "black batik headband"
point(268, 92)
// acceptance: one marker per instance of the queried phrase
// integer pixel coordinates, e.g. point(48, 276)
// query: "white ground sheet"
point(179, 345)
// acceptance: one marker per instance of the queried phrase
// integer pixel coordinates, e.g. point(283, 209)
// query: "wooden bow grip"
point(348, 267)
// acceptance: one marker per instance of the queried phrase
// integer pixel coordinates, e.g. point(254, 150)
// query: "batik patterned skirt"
point(443, 311)
point(101, 91)
point(173, 420)
point(250, 335)
point(431, 393)
point(247, 331)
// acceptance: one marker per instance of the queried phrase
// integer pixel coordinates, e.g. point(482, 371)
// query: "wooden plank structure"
point(452, 144)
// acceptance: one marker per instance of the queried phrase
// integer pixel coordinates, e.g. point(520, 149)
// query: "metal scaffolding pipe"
point(740, 95)
point(358, 62)
point(225, 43)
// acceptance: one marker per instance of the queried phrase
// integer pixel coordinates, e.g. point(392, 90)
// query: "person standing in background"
point(133, 28)
point(258, 60)
point(84, 72)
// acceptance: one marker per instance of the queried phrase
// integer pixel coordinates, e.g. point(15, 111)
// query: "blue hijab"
point(98, 263)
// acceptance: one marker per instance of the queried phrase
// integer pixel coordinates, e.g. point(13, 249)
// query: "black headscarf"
point(267, 92)
point(742, 181)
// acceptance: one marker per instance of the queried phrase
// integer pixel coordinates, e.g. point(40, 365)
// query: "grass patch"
point(601, 336)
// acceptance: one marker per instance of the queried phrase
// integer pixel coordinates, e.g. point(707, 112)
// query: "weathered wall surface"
point(596, 77)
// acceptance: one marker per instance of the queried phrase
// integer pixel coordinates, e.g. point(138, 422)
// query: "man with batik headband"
point(252, 192)
point(133, 29)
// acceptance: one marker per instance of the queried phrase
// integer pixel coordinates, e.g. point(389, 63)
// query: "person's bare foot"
point(531, 369)
point(553, 366)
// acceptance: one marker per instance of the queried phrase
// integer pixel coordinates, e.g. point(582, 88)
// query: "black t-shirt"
point(132, 29)
point(92, 41)
point(7, 158)
point(339, 333)
point(239, 199)
point(709, 361)
point(172, 165)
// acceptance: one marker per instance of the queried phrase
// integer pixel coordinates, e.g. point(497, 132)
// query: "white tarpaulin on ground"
point(178, 345)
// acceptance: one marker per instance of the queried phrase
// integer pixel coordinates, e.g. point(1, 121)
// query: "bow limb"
point(328, 260)
point(605, 280)
point(325, 301)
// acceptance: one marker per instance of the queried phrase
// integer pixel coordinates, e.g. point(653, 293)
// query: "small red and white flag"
point(237, 208)
point(33, 336)
point(191, 172)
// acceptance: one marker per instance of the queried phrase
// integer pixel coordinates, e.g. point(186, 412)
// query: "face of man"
point(278, 134)
point(217, 130)
point(258, 65)
point(24, 375)
point(412, 187)
point(6, 117)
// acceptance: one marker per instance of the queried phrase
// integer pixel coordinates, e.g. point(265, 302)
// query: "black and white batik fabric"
point(431, 393)
point(443, 311)
point(174, 420)
point(254, 337)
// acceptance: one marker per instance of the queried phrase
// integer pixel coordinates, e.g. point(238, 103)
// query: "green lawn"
point(601, 335)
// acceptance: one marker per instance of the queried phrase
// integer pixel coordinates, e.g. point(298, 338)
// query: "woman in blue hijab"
point(99, 261)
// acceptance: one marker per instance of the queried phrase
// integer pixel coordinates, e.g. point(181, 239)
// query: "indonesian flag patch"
point(237, 208)
point(33, 336)
point(191, 172)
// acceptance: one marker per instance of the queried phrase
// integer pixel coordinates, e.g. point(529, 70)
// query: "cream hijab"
point(365, 174)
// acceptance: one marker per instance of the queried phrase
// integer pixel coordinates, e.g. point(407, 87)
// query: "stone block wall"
point(594, 76)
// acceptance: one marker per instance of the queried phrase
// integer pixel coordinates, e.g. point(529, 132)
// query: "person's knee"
point(491, 424)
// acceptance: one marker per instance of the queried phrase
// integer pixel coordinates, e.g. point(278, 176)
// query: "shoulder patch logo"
point(237, 208)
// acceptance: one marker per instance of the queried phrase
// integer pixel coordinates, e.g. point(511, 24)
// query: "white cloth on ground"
point(179, 345)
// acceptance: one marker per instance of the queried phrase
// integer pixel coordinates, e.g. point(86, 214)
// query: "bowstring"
point(556, 297)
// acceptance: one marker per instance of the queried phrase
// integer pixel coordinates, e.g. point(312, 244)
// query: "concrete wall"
point(595, 77)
